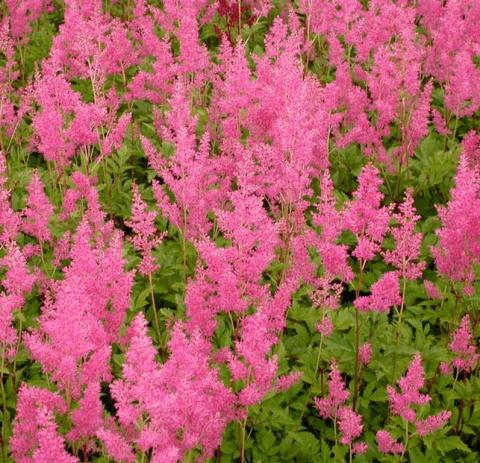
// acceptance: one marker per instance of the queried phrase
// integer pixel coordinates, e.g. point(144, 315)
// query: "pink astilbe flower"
point(365, 353)
point(190, 174)
point(432, 423)
point(230, 278)
point(113, 140)
point(83, 316)
point(458, 247)
point(387, 444)
point(17, 282)
point(8, 333)
point(116, 446)
point(285, 382)
point(65, 124)
point(35, 437)
point(91, 45)
point(84, 188)
point(326, 295)
point(51, 446)
point(184, 400)
point(401, 404)
point(385, 293)
point(439, 123)
point(9, 117)
point(463, 347)
point(87, 419)
point(432, 291)
point(405, 256)
point(57, 102)
point(387, 58)
point(445, 368)
point(359, 448)
point(328, 407)
point(325, 327)
point(145, 237)
point(153, 84)
point(329, 219)
point(365, 216)
point(10, 221)
point(350, 424)
point(251, 360)
point(410, 385)
point(471, 150)
point(39, 210)
point(184, 19)
point(451, 28)
point(24, 12)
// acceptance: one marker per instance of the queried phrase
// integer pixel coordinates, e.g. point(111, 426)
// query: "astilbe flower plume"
point(82, 318)
point(410, 385)
point(365, 353)
point(451, 30)
point(458, 248)
point(39, 210)
point(387, 444)
point(87, 419)
point(186, 403)
point(405, 256)
point(17, 282)
point(259, 333)
point(35, 437)
point(24, 12)
point(385, 293)
point(153, 84)
point(145, 237)
point(365, 216)
point(402, 402)
point(351, 427)
point(58, 101)
point(84, 189)
point(432, 423)
point(10, 220)
point(463, 346)
point(9, 118)
point(329, 220)
point(189, 174)
point(183, 18)
point(230, 278)
point(92, 45)
point(328, 407)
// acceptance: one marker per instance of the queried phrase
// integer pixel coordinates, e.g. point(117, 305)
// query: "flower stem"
point(155, 315)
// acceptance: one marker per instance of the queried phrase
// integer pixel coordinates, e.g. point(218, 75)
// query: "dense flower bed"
point(239, 231)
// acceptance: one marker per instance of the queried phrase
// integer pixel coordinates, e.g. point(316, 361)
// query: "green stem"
point(399, 325)
point(407, 437)
point(243, 440)
point(154, 306)
point(4, 407)
point(356, 379)
point(315, 375)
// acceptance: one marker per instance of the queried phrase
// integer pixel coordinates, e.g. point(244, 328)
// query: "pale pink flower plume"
point(385, 293)
point(432, 423)
point(145, 237)
point(39, 210)
point(463, 347)
point(410, 385)
point(329, 406)
point(387, 444)
point(365, 353)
